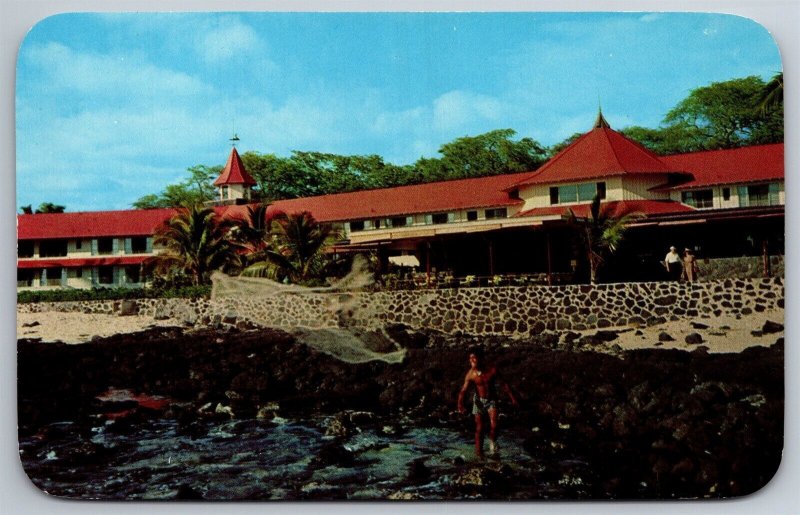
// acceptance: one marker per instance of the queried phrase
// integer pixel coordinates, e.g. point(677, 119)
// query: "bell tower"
point(234, 185)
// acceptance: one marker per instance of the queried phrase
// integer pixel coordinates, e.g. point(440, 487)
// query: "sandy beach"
point(722, 334)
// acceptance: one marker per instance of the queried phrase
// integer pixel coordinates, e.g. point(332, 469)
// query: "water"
point(287, 459)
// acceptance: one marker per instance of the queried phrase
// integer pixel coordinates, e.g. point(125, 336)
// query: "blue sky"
point(111, 107)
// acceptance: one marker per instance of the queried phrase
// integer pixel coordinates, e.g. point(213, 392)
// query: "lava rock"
point(694, 339)
point(771, 327)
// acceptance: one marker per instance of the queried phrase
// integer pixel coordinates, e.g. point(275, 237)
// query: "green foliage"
point(293, 250)
point(601, 233)
point(73, 295)
point(492, 153)
point(558, 147)
point(196, 244)
point(305, 174)
point(44, 207)
point(771, 96)
point(720, 115)
point(195, 190)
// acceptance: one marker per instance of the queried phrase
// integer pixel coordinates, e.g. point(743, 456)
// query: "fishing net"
point(346, 344)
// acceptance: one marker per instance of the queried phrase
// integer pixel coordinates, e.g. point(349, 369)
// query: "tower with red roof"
point(234, 183)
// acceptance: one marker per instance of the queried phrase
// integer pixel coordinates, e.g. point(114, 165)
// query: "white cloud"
point(459, 109)
point(110, 75)
point(229, 38)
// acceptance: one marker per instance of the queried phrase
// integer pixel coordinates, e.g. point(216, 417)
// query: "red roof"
point(234, 172)
point(432, 197)
point(600, 153)
point(92, 224)
point(617, 207)
point(77, 262)
point(730, 166)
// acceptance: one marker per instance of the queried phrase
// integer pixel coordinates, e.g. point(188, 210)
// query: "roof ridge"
point(613, 150)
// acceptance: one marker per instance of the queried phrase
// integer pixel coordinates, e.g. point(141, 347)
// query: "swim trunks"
point(481, 405)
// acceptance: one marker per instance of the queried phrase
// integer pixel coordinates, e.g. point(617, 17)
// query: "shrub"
point(67, 295)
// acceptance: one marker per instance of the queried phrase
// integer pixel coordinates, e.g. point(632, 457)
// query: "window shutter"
point(774, 196)
point(744, 200)
point(128, 245)
point(94, 246)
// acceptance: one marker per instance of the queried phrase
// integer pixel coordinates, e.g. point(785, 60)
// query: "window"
point(78, 244)
point(25, 277)
point(53, 248)
point(726, 193)
point(75, 273)
point(224, 192)
point(701, 199)
point(577, 192)
point(24, 249)
point(105, 245)
point(759, 195)
point(513, 193)
point(439, 218)
point(496, 213)
point(400, 221)
point(132, 274)
point(139, 245)
point(105, 275)
point(357, 226)
point(472, 216)
point(53, 277)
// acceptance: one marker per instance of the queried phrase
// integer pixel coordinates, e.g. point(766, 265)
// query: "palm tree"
point(296, 249)
point(195, 244)
point(601, 232)
point(253, 230)
point(771, 95)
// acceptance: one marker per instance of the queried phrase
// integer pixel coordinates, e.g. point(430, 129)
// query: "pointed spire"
point(601, 122)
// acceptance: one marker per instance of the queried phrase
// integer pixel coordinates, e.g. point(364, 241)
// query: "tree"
point(491, 153)
point(601, 232)
point(771, 96)
point(252, 232)
point(26, 210)
point(195, 190)
point(720, 115)
point(558, 147)
point(49, 207)
point(195, 244)
point(295, 251)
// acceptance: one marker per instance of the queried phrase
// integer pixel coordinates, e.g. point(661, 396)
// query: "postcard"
point(400, 256)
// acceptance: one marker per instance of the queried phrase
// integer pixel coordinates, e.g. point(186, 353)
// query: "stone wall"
point(739, 267)
point(511, 311)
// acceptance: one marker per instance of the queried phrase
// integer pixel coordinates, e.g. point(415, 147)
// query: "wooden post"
point(549, 262)
point(765, 257)
point(491, 258)
point(428, 264)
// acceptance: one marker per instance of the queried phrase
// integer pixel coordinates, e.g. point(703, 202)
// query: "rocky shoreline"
point(649, 423)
